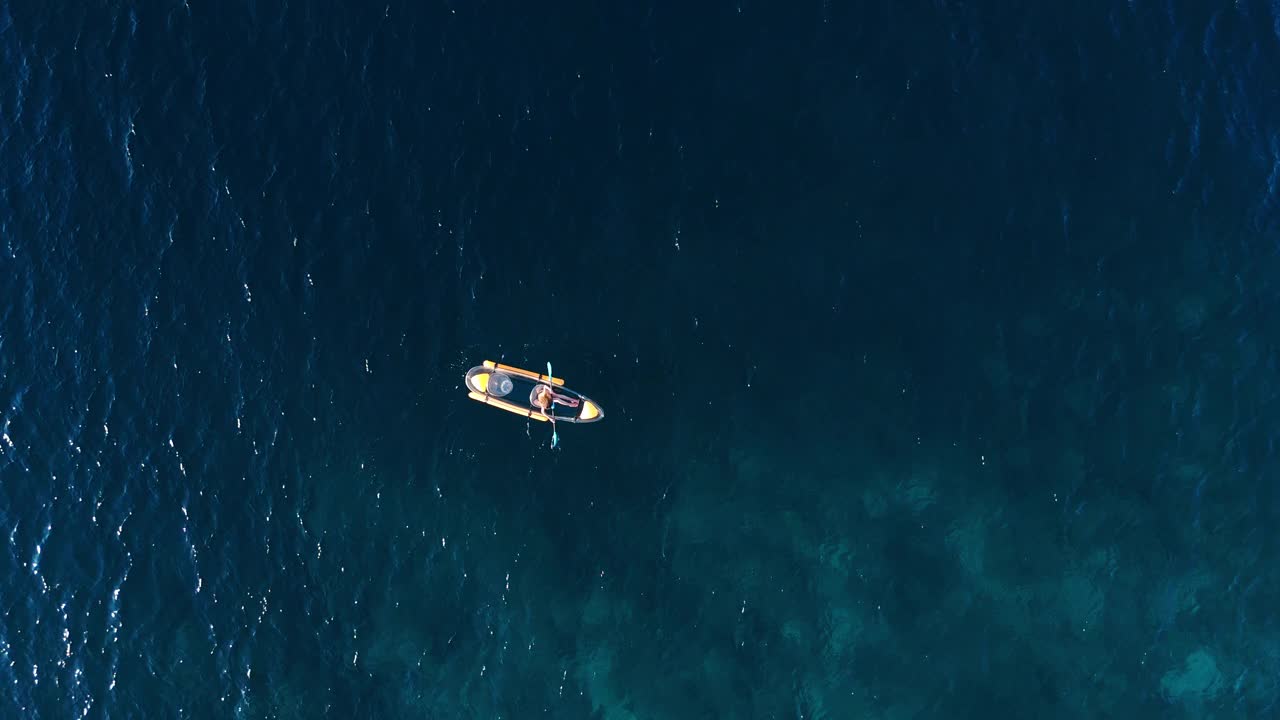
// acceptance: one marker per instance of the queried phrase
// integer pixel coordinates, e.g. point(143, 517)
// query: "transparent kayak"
point(513, 389)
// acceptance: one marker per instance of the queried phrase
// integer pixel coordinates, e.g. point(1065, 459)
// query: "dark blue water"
point(937, 344)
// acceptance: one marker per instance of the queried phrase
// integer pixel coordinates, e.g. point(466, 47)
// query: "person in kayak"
point(544, 397)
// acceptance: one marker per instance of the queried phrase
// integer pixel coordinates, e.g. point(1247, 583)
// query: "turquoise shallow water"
point(935, 341)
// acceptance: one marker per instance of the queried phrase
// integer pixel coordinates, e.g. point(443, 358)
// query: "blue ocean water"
point(936, 342)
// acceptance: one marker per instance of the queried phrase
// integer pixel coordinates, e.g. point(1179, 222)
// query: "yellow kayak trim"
point(488, 400)
point(524, 373)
